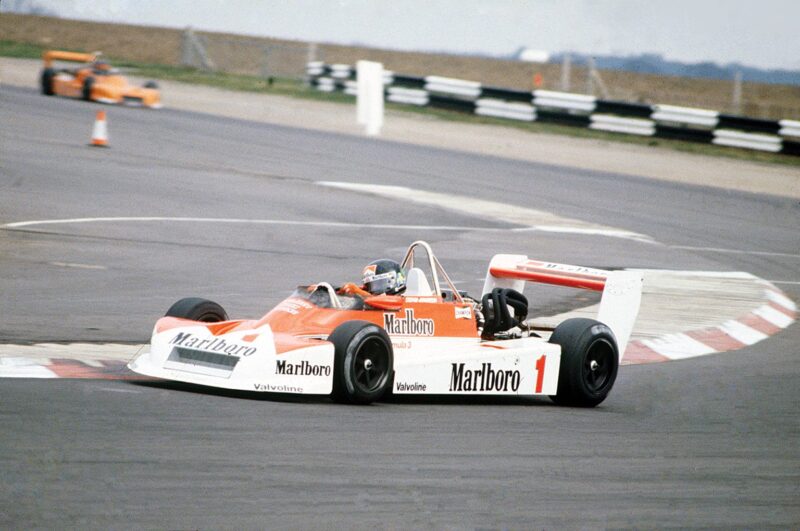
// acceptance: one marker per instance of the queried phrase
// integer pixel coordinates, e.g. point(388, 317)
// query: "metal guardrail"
point(728, 137)
point(663, 121)
point(504, 109)
point(618, 124)
point(564, 100)
point(789, 128)
point(672, 115)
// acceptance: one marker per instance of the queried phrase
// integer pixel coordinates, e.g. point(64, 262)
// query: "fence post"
point(311, 53)
point(193, 52)
point(736, 99)
point(265, 62)
point(566, 65)
point(599, 82)
point(186, 48)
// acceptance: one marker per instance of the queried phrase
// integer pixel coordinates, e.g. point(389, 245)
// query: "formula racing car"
point(429, 339)
point(95, 80)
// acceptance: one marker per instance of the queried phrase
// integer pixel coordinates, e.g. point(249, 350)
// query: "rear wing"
point(622, 290)
point(58, 55)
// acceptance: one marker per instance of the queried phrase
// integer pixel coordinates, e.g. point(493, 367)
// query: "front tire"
point(86, 92)
point(363, 362)
point(197, 309)
point(47, 81)
point(589, 362)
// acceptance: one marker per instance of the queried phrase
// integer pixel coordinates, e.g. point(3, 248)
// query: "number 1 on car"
point(540, 373)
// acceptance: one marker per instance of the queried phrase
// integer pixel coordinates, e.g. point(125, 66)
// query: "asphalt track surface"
point(710, 441)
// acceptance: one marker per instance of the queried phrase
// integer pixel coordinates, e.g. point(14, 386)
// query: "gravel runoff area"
point(507, 142)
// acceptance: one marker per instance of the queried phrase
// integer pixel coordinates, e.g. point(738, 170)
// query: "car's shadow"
point(460, 400)
point(230, 393)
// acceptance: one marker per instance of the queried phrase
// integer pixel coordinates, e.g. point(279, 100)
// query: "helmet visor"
point(380, 283)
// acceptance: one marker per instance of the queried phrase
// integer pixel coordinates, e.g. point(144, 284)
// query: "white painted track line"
point(529, 218)
point(734, 251)
point(133, 219)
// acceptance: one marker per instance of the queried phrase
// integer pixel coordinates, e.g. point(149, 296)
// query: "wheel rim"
point(598, 366)
point(371, 365)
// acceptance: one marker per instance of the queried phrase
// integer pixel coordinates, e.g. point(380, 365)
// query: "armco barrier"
point(619, 124)
point(663, 121)
point(728, 137)
point(454, 87)
point(408, 96)
point(680, 116)
point(564, 101)
point(504, 109)
point(789, 128)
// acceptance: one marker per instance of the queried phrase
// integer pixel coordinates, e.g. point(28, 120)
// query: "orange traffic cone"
point(100, 131)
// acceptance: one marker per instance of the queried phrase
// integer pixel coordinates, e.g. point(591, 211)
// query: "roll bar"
point(435, 266)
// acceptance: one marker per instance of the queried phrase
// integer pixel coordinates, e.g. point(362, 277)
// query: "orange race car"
point(94, 81)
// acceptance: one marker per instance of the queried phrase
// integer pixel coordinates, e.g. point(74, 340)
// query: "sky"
point(764, 33)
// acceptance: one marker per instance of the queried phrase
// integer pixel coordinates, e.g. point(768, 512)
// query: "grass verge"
point(297, 89)
point(20, 50)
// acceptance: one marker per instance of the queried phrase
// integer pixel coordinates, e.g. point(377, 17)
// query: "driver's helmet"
point(384, 276)
point(101, 67)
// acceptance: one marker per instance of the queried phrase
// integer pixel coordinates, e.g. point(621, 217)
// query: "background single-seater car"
point(94, 80)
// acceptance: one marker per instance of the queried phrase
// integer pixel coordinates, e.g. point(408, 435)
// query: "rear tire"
point(47, 81)
point(197, 309)
point(589, 362)
point(151, 85)
point(363, 362)
point(86, 92)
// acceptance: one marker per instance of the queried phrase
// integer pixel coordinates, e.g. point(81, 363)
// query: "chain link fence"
point(242, 55)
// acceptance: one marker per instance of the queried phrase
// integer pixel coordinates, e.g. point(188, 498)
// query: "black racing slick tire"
point(47, 81)
point(589, 362)
point(151, 85)
point(363, 362)
point(86, 92)
point(197, 309)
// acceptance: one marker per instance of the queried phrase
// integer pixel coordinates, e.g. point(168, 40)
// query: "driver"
point(102, 68)
point(380, 277)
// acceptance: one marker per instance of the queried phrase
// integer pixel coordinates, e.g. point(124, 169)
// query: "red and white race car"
point(427, 340)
